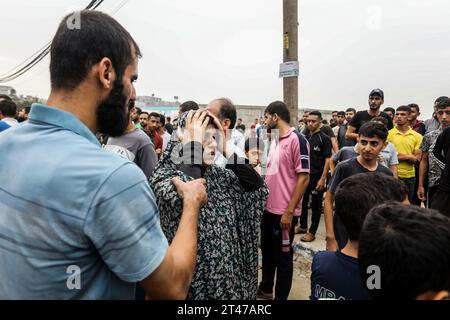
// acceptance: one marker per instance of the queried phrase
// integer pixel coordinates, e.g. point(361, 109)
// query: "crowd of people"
point(142, 206)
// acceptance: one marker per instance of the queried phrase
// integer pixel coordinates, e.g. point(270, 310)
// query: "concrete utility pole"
point(290, 53)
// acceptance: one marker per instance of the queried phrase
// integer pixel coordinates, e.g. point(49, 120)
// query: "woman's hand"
point(196, 123)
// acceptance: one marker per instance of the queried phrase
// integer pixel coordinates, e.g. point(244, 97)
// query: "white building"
point(9, 91)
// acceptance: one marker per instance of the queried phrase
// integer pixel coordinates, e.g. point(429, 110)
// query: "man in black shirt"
point(376, 100)
point(240, 126)
point(372, 140)
point(441, 199)
point(320, 155)
point(168, 125)
point(326, 129)
point(342, 141)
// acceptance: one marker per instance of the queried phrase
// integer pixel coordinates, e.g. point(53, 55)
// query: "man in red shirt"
point(152, 127)
point(416, 125)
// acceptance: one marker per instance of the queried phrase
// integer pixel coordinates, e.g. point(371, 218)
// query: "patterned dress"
point(228, 228)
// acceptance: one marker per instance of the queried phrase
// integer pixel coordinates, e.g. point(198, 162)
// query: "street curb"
point(307, 250)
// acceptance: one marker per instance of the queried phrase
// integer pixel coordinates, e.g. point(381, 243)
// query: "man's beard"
point(270, 126)
point(112, 114)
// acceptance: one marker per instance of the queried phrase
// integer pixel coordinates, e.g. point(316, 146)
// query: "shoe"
point(263, 295)
point(309, 237)
point(299, 230)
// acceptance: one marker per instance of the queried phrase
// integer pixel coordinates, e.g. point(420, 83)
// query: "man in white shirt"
point(225, 111)
point(238, 138)
point(162, 132)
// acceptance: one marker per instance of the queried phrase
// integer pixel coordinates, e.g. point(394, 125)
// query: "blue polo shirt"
point(76, 222)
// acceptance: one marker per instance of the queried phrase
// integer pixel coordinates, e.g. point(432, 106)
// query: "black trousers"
point(441, 202)
point(274, 260)
point(415, 199)
point(316, 206)
point(430, 195)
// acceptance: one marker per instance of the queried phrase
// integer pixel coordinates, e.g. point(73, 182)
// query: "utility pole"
point(290, 53)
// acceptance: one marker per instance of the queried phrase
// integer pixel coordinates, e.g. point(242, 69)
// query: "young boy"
point(371, 141)
point(388, 156)
point(254, 149)
point(336, 274)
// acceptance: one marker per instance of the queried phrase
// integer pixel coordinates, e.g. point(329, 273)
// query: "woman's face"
point(209, 145)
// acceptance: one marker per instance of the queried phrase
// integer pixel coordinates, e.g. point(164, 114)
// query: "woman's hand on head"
point(196, 123)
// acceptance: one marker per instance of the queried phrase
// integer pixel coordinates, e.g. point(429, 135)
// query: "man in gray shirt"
point(135, 145)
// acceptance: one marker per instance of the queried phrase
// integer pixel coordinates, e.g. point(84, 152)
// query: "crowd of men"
point(109, 196)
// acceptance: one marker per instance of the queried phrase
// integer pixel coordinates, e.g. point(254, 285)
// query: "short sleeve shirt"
point(349, 168)
point(137, 147)
point(288, 156)
point(320, 150)
point(389, 155)
point(362, 117)
point(78, 211)
point(344, 154)
point(325, 130)
point(405, 143)
point(336, 276)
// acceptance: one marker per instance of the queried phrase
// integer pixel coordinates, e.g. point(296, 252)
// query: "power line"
point(124, 2)
point(40, 54)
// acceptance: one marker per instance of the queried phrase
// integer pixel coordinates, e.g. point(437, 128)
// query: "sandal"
point(299, 230)
point(309, 237)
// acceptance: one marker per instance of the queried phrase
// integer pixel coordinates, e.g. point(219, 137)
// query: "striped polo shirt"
point(76, 222)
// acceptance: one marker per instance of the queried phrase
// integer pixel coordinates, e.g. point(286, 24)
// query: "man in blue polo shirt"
point(83, 223)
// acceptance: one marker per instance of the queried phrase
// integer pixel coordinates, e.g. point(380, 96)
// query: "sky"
point(203, 49)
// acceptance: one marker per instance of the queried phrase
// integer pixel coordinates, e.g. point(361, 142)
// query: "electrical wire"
point(38, 55)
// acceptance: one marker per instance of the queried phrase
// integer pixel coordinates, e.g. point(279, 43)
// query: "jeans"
point(274, 260)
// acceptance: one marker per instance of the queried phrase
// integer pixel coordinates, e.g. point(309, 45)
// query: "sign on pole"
point(289, 69)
